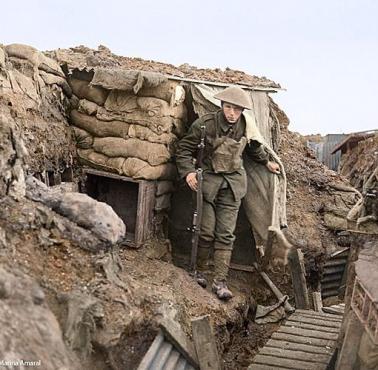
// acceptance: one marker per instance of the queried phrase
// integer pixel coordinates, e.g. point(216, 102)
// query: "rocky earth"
point(102, 302)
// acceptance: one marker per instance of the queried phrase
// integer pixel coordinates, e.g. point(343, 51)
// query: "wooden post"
point(317, 300)
point(204, 342)
point(349, 351)
point(298, 277)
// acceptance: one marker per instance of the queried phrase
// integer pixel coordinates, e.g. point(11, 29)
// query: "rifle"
point(197, 215)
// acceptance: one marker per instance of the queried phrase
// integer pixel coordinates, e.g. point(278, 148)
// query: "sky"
point(324, 53)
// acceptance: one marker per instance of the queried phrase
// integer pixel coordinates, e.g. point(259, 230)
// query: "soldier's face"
point(231, 112)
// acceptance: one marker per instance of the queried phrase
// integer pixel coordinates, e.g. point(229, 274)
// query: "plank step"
point(298, 347)
point(287, 363)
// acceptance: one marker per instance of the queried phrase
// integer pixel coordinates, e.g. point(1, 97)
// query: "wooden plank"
point(263, 367)
point(298, 347)
point(315, 321)
point(204, 343)
point(146, 201)
point(314, 313)
point(317, 301)
point(247, 268)
point(287, 363)
point(319, 316)
point(110, 175)
point(349, 350)
point(296, 355)
point(308, 333)
point(334, 310)
point(174, 334)
point(224, 84)
point(299, 339)
point(303, 325)
point(298, 277)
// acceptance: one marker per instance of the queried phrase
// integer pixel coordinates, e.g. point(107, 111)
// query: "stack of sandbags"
point(34, 95)
point(131, 134)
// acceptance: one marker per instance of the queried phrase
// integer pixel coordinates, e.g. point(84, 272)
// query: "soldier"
point(224, 179)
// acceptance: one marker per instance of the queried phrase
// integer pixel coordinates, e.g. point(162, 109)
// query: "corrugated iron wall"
point(323, 150)
point(162, 355)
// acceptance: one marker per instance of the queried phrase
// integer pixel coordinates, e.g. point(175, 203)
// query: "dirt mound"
point(82, 57)
point(318, 199)
point(359, 163)
point(23, 310)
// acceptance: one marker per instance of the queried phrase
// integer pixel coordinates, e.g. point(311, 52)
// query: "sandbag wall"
point(131, 134)
point(34, 95)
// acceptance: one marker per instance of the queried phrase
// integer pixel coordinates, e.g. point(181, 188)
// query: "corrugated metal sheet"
point(162, 355)
point(334, 269)
point(323, 150)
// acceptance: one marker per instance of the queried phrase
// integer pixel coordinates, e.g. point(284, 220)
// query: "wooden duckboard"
point(306, 341)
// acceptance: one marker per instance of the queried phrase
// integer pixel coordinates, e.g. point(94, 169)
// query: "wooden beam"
point(298, 277)
point(173, 332)
point(247, 268)
point(349, 350)
point(204, 342)
point(317, 301)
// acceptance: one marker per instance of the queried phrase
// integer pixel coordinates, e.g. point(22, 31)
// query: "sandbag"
point(138, 169)
point(158, 125)
point(126, 80)
point(101, 162)
point(131, 167)
point(144, 133)
point(2, 58)
point(99, 128)
point(84, 140)
point(38, 59)
point(87, 107)
point(153, 153)
point(83, 90)
point(51, 79)
point(121, 101)
point(170, 91)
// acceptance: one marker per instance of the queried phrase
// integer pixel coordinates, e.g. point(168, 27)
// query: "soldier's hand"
point(191, 180)
point(273, 167)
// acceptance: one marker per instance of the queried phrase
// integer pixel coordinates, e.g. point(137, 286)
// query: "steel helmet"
point(235, 95)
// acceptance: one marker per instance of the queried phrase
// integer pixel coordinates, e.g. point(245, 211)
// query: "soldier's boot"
point(222, 258)
point(202, 259)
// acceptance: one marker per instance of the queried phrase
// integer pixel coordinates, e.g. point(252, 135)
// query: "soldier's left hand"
point(273, 167)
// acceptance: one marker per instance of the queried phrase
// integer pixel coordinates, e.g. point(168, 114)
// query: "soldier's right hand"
point(191, 180)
